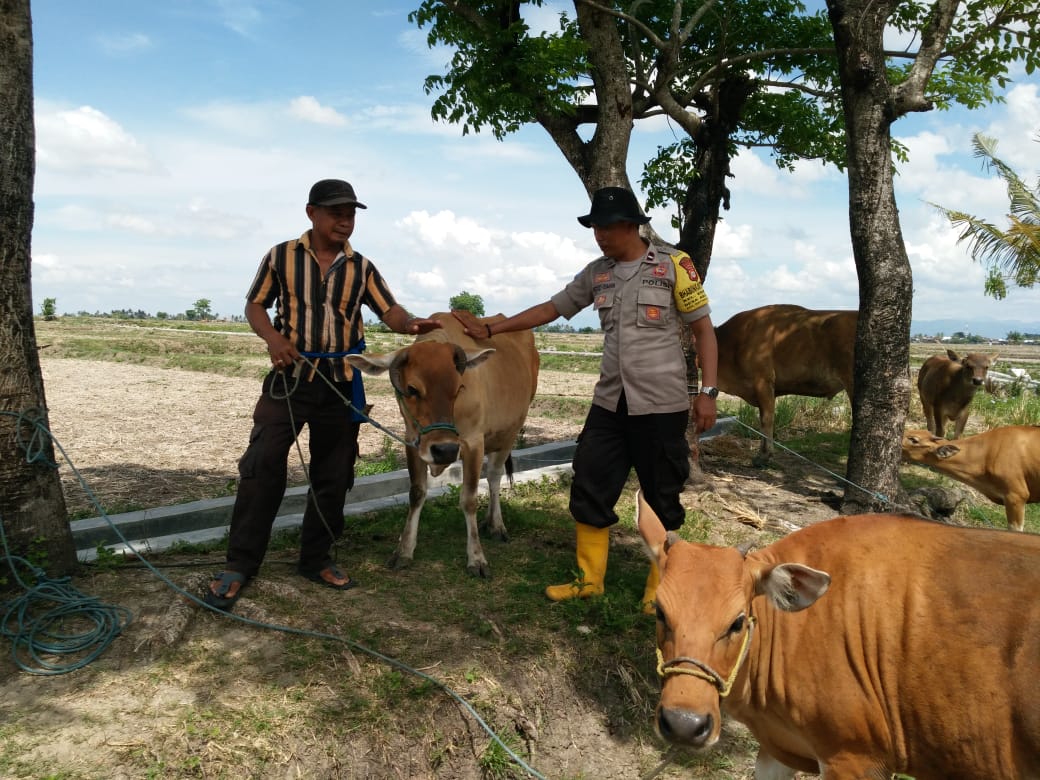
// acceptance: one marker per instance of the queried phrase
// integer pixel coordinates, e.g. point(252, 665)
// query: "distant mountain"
point(992, 329)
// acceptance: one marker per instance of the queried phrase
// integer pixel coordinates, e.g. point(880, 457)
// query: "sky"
point(177, 142)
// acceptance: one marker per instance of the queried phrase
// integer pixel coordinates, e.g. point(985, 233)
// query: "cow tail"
point(509, 469)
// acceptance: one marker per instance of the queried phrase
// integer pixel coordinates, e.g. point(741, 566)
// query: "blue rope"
point(47, 621)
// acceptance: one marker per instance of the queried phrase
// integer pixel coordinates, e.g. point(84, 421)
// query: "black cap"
point(333, 192)
point(613, 204)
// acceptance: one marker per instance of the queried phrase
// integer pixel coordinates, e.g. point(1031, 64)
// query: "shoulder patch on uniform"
point(688, 292)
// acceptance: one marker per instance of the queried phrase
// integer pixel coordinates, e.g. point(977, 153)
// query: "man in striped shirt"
point(316, 285)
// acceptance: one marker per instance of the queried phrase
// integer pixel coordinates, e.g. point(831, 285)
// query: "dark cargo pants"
point(263, 471)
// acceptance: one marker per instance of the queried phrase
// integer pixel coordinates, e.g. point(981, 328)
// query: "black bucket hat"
point(613, 204)
point(333, 192)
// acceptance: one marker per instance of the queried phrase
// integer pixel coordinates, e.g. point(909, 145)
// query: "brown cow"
point(456, 395)
point(1003, 464)
point(785, 349)
point(920, 659)
point(947, 385)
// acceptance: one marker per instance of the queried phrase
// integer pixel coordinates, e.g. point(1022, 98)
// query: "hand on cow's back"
point(471, 326)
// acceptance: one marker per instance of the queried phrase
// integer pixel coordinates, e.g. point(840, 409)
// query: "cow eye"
point(737, 626)
point(411, 392)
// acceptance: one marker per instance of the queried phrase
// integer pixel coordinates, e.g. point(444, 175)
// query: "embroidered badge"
point(601, 278)
point(661, 269)
point(653, 313)
point(600, 300)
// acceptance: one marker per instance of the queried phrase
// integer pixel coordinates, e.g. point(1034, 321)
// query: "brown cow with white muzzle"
point(458, 397)
point(857, 647)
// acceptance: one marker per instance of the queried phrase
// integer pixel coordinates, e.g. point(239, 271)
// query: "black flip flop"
point(220, 599)
point(315, 576)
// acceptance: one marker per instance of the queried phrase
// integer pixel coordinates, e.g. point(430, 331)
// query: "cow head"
point(926, 447)
point(705, 640)
point(974, 366)
point(427, 379)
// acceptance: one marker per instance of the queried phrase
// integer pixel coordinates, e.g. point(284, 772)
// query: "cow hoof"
point(501, 534)
point(398, 562)
point(482, 570)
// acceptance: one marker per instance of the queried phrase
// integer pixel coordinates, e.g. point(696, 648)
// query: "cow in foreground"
point(459, 397)
point(857, 647)
point(947, 385)
point(1003, 464)
point(785, 349)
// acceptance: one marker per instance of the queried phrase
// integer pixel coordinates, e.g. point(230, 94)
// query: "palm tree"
point(1012, 255)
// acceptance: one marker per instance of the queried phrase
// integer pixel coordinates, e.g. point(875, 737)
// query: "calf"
point(459, 396)
point(857, 647)
point(785, 349)
point(947, 385)
point(1003, 464)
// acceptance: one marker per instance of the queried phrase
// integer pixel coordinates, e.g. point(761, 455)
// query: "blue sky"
point(176, 143)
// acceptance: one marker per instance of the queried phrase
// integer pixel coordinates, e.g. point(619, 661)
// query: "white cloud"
point(86, 141)
point(309, 109)
point(120, 44)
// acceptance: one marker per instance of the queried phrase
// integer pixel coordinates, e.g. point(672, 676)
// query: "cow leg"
point(769, 768)
point(472, 457)
point(766, 415)
point(961, 421)
point(938, 423)
point(402, 557)
point(496, 467)
point(929, 415)
point(1015, 508)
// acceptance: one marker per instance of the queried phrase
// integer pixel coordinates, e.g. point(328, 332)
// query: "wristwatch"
point(711, 392)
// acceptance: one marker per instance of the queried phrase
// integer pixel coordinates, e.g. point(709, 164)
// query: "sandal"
point(330, 577)
point(221, 596)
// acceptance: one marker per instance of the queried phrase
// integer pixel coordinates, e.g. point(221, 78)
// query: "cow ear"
point(791, 586)
point(947, 450)
point(373, 364)
point(952, 355)
point(993, 358)
point(650, 528)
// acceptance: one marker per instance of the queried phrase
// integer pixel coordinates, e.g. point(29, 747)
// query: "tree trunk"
point(706, 195)
point(32, 507)
point(882, 364)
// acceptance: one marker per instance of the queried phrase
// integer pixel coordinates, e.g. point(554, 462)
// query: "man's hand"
point(704, 412)
point(419, 325)
point(470, 324)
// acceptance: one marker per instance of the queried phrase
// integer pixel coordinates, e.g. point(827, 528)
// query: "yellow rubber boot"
point(593, 544)
point(653, 579)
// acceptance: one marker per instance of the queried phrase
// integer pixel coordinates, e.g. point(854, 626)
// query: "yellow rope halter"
point(702, 670)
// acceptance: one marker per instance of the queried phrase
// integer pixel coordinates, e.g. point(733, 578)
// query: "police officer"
point(641, 403)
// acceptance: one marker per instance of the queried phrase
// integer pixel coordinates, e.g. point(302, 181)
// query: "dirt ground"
point(158, 436)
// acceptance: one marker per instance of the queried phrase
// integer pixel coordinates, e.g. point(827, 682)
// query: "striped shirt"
point(320, 314)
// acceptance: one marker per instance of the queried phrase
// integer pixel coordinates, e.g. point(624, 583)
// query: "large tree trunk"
point(706, 195)
point(32, 507)
point(882, 365)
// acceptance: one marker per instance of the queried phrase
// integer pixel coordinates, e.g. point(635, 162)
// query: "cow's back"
point(935, 378)
point(798, 351)
point(928, 639)
point(499, 392)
